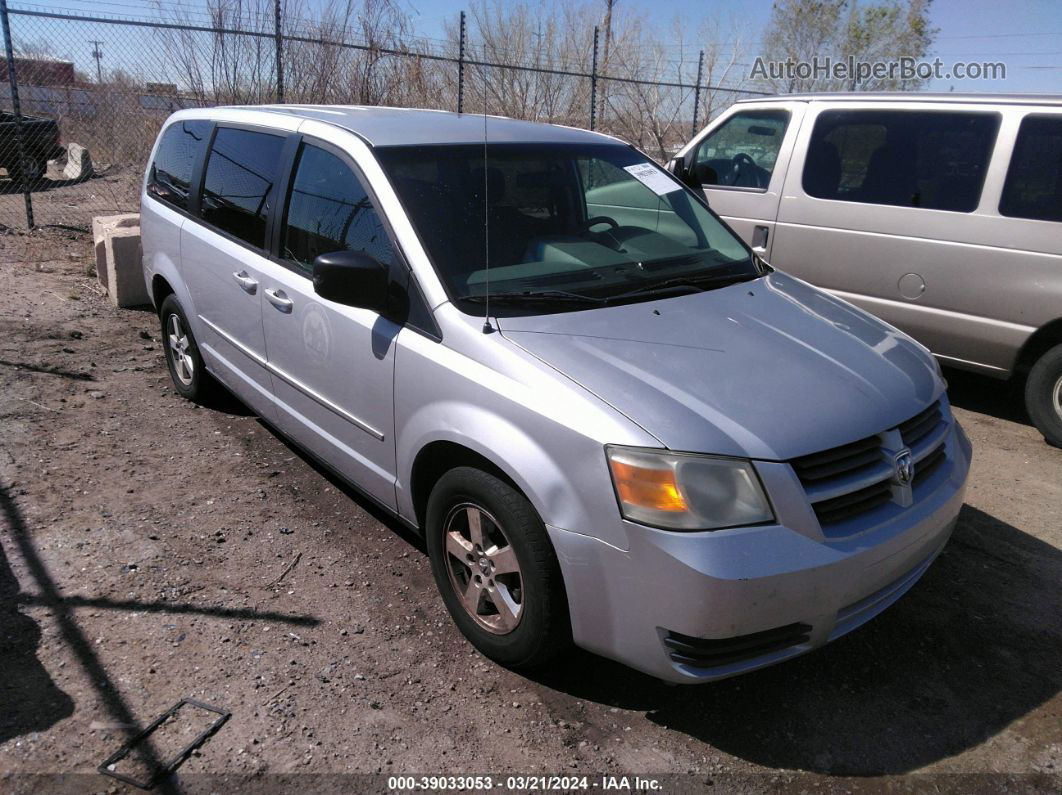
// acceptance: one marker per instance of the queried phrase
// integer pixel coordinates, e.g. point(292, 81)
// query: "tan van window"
point(741, 153)
point(931, 159)
point(1034, 180)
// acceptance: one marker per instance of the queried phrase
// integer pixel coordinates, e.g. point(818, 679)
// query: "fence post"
point(697, 91)
point(16, 108)
point(280, 50)
point(593, 84)
point(461, 66)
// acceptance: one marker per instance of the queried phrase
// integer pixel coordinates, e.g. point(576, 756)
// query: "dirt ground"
point(154, 551)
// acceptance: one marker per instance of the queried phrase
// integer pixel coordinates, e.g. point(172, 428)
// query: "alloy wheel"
point(483, 568)
point(180, 350)
point(1056, 397)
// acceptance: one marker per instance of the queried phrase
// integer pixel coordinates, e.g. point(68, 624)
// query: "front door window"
point(741, 152)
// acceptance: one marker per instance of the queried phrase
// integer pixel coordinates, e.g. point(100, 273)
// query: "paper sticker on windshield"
point(653, 178)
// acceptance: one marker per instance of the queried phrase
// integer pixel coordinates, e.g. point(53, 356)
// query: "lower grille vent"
point(710, 653)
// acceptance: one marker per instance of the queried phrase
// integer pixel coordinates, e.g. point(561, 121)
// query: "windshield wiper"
point(540, 296)
point(698, 283)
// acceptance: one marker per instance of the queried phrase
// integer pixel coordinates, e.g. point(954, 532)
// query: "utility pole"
point(593, 84)
point(608, 49)
point(461, 66)
point(279, 41)
point(697, 91)
point(97, 53)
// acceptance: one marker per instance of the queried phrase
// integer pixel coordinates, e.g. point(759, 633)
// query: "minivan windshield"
point(561, 226)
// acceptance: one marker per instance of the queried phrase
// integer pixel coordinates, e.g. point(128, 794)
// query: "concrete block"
point(78, 162)
point(118, 259)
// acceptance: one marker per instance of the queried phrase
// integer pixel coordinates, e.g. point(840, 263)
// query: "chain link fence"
point(74, 137)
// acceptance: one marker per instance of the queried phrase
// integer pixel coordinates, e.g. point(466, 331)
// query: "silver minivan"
point(613, 423)
point(939, 213)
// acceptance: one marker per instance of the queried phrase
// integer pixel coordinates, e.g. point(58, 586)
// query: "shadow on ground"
point(1004, 400)
point(972, 648)
point(384, 517)
point(32, 701)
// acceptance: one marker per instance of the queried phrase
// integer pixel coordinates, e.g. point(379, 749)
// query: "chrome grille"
point(855, 479)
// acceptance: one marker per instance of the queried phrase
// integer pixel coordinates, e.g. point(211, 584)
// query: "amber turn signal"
point(654, 489)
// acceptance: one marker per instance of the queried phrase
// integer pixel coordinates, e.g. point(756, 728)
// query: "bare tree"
point(803, 30)
point(526, 38)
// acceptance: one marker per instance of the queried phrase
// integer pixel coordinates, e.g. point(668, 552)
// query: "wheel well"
point(1042, 340)
point(438, 458)
point(160, 288)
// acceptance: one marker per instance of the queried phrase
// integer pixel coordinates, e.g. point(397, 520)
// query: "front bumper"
point(630, 605)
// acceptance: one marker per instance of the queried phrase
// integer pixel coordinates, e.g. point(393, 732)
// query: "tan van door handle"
point(759, 239)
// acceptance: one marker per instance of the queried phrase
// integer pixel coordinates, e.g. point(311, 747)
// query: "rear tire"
point(190, 378)
point(34, 168)
point(496, 570)
point(1043, 395)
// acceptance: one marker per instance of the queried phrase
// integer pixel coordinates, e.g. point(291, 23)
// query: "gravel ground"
point(154, 551)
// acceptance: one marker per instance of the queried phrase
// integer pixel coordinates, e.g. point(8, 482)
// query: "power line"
point(1001, 35)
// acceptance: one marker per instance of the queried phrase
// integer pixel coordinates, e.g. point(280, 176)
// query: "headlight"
point(683, 491)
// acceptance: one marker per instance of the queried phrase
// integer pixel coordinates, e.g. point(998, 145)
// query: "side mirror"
point(677, 166)
point(353, 278)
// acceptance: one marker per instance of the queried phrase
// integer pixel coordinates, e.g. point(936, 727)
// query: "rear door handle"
point(247, 284)
point(759, 239)
point(278, 299)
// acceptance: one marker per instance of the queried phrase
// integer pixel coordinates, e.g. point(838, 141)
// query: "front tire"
point(187, 370)
point(1043, 395)
point(496, 570)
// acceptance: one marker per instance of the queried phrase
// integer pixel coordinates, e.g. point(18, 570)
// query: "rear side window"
point(742, 152)
point(328, 211)
point(240, 178)
point(936, 160)
point(171, 171)
point(1033, 188)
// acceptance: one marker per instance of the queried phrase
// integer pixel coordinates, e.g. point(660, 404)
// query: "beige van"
point(940, 213)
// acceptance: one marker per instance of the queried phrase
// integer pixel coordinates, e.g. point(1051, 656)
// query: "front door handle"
point(759, 239)
point(278, 299)
point(247, 284)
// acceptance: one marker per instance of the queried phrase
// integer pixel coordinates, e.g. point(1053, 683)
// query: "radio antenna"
point(487, 327)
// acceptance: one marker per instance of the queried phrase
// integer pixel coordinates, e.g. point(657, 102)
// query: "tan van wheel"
point(1043, 395)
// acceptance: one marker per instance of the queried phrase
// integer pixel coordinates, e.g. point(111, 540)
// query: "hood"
point(769, 369)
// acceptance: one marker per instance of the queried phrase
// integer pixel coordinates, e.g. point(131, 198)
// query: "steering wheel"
point(753, 171)
point(601, 219)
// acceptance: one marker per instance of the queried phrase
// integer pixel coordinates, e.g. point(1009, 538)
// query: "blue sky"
point(1026, 36)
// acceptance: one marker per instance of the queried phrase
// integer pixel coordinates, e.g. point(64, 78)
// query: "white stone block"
point(78, 162)
point(118, 259)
